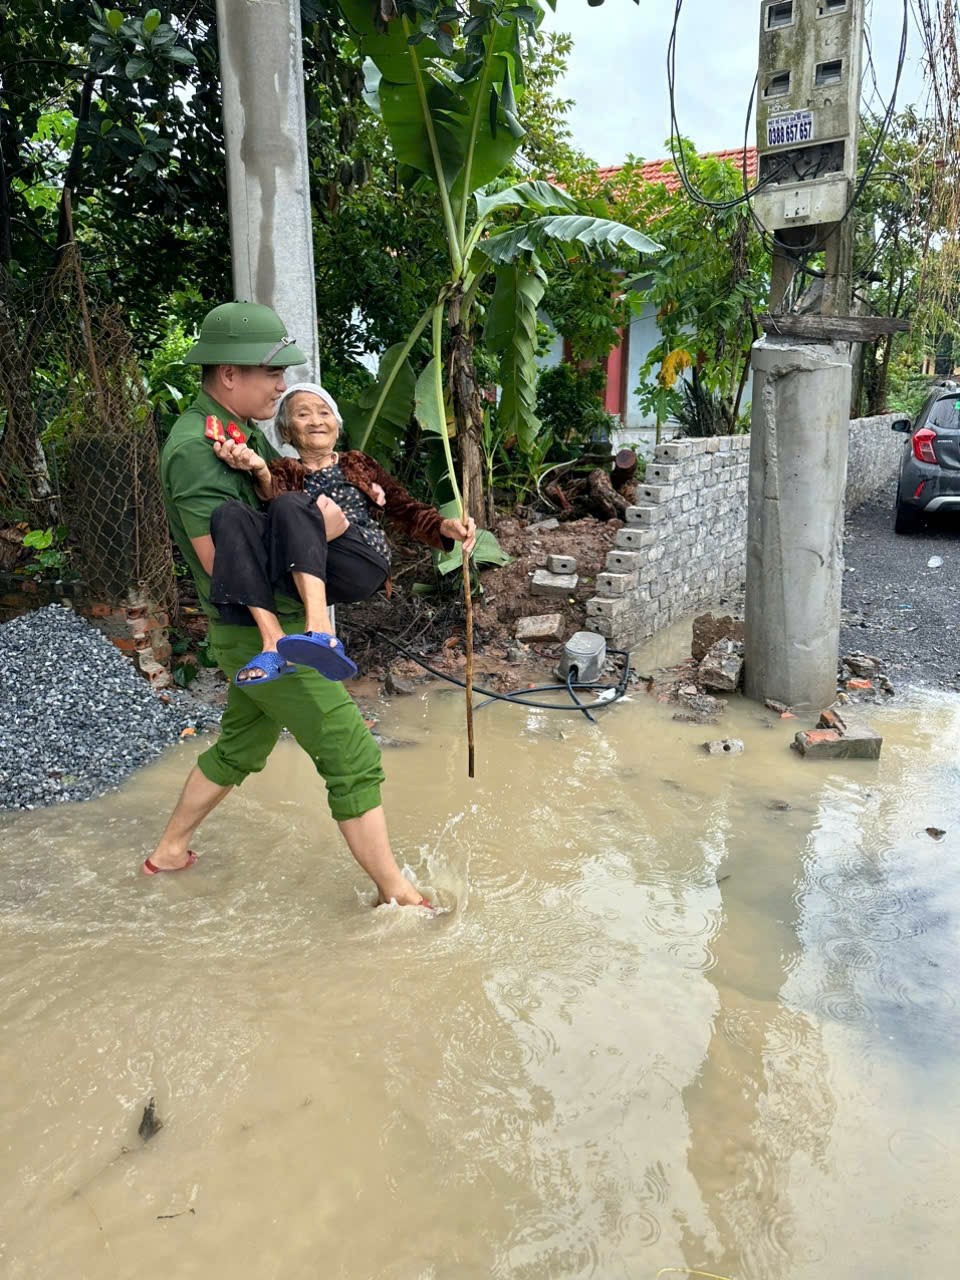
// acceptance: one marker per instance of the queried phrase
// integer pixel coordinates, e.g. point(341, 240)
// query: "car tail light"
point(923, 449)
point(920, 488)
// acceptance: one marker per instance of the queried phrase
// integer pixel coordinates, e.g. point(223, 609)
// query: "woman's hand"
point(379, 497)
point(334, 521)
point(460, 531)
point(240, 456)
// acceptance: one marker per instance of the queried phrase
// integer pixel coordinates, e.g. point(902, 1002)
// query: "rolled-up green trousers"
point(320, 714)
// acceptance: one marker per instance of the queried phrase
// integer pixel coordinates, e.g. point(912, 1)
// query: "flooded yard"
point(681, 1012)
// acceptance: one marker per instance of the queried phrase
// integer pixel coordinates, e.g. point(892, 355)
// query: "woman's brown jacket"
point(416, 519)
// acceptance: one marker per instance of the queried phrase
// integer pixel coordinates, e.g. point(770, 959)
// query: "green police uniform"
point(320, 714)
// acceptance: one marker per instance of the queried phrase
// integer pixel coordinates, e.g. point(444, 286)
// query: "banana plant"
point(448, 80)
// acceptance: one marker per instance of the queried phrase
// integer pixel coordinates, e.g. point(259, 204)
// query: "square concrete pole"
point(268, 181)
point(798, 471)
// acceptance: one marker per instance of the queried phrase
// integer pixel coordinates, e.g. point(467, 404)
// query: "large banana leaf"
point(470, 119)
point(486, 549)
point(541, 197)
point(511, 330)
point(378, 419)
point(386, 44)
point(574, 231)
point(429, 408)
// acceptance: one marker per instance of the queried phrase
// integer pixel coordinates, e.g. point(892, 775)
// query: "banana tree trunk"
point(467, 409)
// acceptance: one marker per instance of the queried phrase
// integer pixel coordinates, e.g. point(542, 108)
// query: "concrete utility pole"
point(807, 122)
point(268, 184)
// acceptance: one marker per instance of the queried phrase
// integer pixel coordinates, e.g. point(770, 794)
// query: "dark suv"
point(930, 467)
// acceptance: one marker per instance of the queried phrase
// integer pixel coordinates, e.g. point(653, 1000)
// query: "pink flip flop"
point(149, 869)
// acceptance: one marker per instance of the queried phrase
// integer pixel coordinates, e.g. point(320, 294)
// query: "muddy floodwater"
point(680, 1012)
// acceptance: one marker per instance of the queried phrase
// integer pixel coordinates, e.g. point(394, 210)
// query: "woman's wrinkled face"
point(311, 424)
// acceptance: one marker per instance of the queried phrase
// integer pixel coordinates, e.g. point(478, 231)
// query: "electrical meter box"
point(808, 109)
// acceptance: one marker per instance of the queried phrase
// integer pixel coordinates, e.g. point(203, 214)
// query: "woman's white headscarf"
point(315, 389)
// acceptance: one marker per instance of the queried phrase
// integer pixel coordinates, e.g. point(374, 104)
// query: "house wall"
point(636, 428)
point(684, 545)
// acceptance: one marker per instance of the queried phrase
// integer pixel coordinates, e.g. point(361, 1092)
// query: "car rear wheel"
point(906, 519)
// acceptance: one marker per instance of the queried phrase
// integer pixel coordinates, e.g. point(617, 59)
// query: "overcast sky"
point(617, 72)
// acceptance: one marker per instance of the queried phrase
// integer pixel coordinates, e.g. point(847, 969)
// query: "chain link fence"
point(78, 443)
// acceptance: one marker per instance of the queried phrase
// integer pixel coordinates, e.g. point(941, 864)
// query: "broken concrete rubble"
point(708, 629)
point(724, 747)
point(837, 738)
point(862, 664)
point(722, 666)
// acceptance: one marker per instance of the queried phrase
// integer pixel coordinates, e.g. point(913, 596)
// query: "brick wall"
point(685, 541)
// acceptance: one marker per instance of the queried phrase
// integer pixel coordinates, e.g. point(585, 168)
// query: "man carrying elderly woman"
point(271, 543)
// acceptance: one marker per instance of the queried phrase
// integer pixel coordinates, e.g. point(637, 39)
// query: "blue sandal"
point(271, 664)
point(320, 650)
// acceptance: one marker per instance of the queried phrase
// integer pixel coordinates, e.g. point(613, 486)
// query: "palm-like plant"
point(448, 80)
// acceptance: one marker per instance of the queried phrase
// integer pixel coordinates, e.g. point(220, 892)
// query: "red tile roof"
point(664, 171)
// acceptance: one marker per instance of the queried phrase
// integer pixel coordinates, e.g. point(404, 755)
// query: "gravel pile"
point(75, 717)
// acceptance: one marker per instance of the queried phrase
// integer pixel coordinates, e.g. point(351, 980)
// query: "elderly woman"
point(320, 524)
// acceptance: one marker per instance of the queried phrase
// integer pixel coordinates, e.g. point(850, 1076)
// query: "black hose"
point(620, 688)
point(576, 700)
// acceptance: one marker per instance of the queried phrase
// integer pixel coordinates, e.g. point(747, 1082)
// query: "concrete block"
point(542, 525)
point(675, 452)
point(624, 561)
point(644, 515)
point(609, 608)
point(633, 538)
point(655, 493)
point(662, 473)
point(541, 626)
point(553, 584)
point(615, 584)
point(561, 564)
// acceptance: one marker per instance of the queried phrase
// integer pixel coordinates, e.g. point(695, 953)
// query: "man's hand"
point(240, 456)
point(334, 521)
point(460, 531)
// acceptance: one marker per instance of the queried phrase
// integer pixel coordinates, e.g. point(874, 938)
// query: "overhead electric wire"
point(679, 159)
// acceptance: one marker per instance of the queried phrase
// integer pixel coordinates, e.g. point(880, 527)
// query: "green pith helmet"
point(244, 333)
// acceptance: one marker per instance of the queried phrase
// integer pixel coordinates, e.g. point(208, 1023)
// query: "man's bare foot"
point(170, 859)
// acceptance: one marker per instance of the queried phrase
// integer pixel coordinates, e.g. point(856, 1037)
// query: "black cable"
point(620, 688)
point(748, 193)
point(679, 159)
point(576, 700)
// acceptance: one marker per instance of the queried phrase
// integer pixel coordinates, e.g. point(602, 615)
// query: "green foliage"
point(706, 286)
point(905, 258)
point(570, 405)
point(171, 385)
point(586, 303)
point(51, 558)
point(450, 92)
point(377, 420)
point(702, 412)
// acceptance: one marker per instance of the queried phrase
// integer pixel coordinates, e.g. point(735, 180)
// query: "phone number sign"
point(789, 128)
